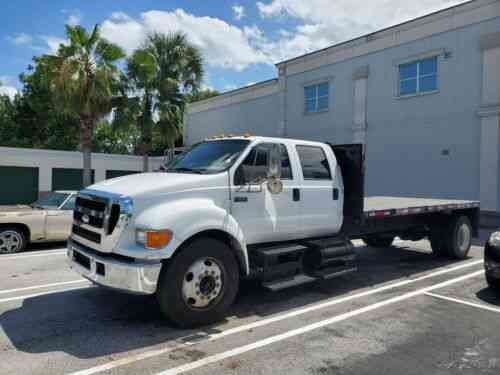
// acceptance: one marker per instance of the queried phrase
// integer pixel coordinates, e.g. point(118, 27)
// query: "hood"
point(150, 184)
point(15, 208)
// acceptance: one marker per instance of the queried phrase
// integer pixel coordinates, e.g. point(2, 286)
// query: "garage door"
point(68, 179)
point(18, 185)
point(112, 173)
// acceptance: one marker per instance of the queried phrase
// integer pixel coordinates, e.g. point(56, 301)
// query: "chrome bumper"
point(137, 277)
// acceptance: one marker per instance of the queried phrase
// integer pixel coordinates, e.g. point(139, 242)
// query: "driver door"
point(262, 215)
point(59, 221)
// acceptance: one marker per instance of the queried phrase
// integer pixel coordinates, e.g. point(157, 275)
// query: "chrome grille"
point(98, 220)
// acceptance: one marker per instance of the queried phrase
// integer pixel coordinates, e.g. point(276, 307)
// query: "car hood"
point(159, 183)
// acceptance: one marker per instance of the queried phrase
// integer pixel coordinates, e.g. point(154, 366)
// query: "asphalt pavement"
point(404, 312)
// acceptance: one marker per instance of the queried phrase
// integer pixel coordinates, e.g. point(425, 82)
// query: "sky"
point(240, 40)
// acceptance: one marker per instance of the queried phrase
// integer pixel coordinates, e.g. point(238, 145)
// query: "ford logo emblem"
point(86, 219)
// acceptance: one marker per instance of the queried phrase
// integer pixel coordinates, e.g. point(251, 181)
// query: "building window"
point(418, 77)
point(317, 97)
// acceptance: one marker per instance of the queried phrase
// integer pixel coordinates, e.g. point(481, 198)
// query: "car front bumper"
point(127, 275)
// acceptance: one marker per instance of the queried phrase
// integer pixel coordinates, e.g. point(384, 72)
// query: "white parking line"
point(299, 331)
point(18, 298)
point(263, 322)
point(467, 303)
point(33, 254)
point(42, 286)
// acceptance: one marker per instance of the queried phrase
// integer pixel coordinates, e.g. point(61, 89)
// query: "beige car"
point(48, 219)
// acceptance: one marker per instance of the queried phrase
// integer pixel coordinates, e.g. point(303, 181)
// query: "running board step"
point(276, 285)
point(324, 274)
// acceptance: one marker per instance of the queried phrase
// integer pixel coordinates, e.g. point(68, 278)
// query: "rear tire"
point(378, 241)
point(12, 240)
point(459, 237)
point(200, 283)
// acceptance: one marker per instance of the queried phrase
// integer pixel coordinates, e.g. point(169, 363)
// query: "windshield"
point(208, 157)
point(53, 200)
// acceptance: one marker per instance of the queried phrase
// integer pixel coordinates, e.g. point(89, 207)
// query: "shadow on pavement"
point(94, 322)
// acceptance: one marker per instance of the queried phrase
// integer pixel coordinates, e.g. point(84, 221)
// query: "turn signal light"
point(158, 239)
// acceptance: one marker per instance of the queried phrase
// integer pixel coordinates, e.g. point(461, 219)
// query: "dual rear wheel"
point(454, 239)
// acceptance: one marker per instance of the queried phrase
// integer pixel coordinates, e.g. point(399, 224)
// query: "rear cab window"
point(314, 163)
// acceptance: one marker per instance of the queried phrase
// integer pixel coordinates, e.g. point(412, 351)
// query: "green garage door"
point(112, 173)
point(68, 179)
point(18, 185)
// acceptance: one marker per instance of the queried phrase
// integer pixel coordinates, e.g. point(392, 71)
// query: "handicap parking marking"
point(463, 302)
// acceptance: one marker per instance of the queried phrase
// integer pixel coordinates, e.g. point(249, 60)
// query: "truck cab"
point(279, 210)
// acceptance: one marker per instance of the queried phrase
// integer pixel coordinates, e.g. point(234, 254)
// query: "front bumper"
point(132, 276)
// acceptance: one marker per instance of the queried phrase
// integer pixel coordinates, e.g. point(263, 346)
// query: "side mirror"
point(274, 183)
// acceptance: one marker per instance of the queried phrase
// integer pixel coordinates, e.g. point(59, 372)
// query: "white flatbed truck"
point(278, 210)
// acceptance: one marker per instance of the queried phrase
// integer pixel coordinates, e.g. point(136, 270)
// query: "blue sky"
point(240, 40)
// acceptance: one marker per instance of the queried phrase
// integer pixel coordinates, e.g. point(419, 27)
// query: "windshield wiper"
point(186, 169)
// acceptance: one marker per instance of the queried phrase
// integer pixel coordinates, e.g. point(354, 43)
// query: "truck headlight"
point(153, 239)
point(494, 240)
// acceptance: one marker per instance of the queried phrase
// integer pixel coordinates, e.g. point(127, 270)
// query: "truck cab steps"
point(284, 266)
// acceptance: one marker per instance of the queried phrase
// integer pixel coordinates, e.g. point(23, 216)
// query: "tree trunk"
point(147, 132)
point(145, 162)
point(86, 131)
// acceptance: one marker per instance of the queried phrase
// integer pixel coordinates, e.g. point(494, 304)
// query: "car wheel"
point(378, 241)
point(12, 240)
point(493, 283)
point(200, 283)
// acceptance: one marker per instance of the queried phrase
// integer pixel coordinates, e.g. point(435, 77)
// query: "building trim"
point(449, 19)
point(240, 95)
point(489, 111)
point(489, 41)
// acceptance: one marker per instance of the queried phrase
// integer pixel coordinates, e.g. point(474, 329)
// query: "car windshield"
point(53, 200)
point(208, 157)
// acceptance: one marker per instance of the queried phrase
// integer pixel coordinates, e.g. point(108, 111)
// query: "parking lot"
point(404, 311)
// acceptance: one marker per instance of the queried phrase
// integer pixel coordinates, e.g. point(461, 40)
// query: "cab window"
point(314, 163)
point(255, 165)
point(70, 204)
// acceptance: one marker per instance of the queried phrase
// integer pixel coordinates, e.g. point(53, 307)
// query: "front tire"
point(12, 240)
point(200, 283)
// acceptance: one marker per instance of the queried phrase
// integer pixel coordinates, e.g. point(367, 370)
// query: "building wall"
point(47, 160)
point(442, 145)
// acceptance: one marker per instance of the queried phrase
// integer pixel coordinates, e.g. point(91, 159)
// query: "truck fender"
point(188, 218)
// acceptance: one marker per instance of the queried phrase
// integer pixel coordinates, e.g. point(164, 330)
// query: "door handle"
point(296, 195)
point(240, 199)
point(335, 194)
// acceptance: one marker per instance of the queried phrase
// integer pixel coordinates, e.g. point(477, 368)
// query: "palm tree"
point(160, 74)
point(84, 79)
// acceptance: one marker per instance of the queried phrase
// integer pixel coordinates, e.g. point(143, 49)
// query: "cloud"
point(74, 16)
point(222, 44)
point(53, 43)
point(6, 86)
point(325, 22)
point(20, 39)
point(238, 11)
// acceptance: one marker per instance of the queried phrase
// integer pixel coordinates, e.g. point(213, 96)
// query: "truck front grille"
point(90, 212)
point(87, 234)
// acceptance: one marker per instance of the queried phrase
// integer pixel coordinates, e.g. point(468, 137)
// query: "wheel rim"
point(203, 284)
point(10, 241)
point(464, 238)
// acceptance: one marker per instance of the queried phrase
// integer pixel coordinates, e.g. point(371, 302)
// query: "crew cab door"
point(262, 215)
point(321, 191)
point(59, 221)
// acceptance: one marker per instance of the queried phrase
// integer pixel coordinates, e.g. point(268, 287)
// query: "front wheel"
point(199, 285)
point(12, 240)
